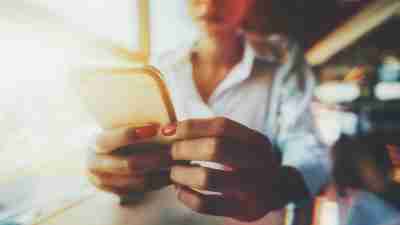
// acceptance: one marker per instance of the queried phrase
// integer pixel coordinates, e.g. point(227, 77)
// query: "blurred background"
point(353, 46)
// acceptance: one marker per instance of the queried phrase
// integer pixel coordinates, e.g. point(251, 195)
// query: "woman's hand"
point(126, 160)
point(251, 183)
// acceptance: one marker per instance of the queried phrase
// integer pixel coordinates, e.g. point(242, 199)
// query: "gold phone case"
point(126, 97)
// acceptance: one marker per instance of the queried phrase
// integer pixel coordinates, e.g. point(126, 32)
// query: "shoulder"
point(292, 85)
point(278, 49)
point(291, 70)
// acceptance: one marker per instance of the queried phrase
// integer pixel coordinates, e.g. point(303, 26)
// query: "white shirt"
point(270, 97)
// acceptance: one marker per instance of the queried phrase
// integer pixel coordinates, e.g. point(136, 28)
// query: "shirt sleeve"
point(295, 133)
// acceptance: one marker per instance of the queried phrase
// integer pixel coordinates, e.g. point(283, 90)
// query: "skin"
point(221, 46)
point(252, 182)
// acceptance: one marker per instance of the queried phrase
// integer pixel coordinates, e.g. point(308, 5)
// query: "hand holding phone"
point(130, 105)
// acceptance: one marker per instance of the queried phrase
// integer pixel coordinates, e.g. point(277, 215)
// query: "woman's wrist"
point(291, 186)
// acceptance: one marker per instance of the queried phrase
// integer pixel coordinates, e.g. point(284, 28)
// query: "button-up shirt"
point(269, 95)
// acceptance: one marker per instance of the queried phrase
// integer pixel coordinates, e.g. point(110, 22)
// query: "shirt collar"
point(238, 74)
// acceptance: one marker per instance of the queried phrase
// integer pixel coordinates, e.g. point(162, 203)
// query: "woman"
point(255, 122)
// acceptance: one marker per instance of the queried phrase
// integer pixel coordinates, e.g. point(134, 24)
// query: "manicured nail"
point(228, 168)
point(147, 131)
point(169, 130)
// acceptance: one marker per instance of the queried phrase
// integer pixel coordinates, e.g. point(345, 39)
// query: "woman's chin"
point(215, 28)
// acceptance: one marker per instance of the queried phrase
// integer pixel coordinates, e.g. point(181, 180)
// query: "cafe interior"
point(352, 46)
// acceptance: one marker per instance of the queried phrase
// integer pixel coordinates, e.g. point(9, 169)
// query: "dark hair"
point(356, 158)
point(305, 21)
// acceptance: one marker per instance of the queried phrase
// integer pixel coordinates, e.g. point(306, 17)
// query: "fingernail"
point(169, 130)
point(147, 131)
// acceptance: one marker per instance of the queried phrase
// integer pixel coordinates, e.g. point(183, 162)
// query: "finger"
point(150, 160)
point(157, 180)
point(208, 204)
point(202, 178)
point(226, 151)
point(215, 127)
point(121, 191)
point(206, 149)
point(108, 164)
point(117, 181)
point(138, 163)
point(125, 185)
point(113, 139)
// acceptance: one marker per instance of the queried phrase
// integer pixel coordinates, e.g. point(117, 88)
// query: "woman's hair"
point(304, 21)
point(269, 16)
point(258, 17)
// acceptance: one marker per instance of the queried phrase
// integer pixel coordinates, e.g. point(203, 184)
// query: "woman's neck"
point(214, 57)
point(222, 50)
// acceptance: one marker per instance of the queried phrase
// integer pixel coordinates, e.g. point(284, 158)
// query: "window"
point(44, 130)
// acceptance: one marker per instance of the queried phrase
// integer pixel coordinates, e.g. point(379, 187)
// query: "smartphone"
point(130, 97)
point(126, 97)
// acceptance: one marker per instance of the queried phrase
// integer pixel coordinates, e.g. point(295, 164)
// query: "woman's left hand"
point(249, 183)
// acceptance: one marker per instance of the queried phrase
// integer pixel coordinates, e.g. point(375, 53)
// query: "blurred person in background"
point(363, 173)
point(242, 94)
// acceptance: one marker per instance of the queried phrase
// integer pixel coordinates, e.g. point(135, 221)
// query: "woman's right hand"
point(128, 160)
